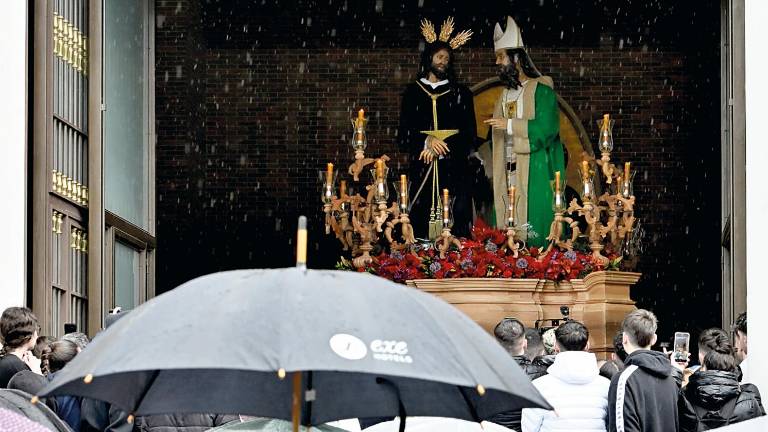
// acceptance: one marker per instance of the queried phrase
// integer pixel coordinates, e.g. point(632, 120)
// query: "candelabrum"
point(360, 221)
point(610, 218)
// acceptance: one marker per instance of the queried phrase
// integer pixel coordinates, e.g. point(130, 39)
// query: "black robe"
point(455, 110)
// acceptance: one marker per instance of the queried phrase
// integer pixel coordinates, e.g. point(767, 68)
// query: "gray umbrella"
point(364, 347)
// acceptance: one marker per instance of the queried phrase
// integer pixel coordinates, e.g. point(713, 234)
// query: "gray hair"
point(77, 338)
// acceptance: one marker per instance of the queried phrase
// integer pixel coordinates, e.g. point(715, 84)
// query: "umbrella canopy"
point(363, 346)
point(270, 425)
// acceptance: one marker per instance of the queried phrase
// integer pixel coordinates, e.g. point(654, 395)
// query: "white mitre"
point(508, 39)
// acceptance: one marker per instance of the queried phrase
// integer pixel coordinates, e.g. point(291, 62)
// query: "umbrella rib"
point(400, 406)
point(144, 391)
point(471, 407)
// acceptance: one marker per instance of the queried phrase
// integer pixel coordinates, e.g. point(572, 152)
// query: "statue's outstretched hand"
point(497, 123)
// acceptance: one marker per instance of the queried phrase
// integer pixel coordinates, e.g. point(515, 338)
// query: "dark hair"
point(425, 64)
point(17, 326)
point(510, 333)
point(618, 346)
point(741, 323)
point(611, 368)
point(535, 345)
point(640, 326)
point(710, 338)
point(40, 345)
point(572, 336)
point(718, 350)
point(57, 355)
point(524, 60)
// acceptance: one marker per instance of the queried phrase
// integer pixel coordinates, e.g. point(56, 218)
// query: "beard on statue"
point(509, 76)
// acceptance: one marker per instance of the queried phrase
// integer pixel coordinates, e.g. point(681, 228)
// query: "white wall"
point(756, 35)
point(13, 83)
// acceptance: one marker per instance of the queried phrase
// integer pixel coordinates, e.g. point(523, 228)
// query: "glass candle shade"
point(402, 187)
point(510, 202)
point(359, 141)
point(586, 176)
point(381, 192)
point(558, 193)
point(447, 211)
point(605, 140)
point(327, 189)
point(625, 186)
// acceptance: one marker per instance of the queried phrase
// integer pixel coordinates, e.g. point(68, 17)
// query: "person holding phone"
point(644, 396)
point(713, 396)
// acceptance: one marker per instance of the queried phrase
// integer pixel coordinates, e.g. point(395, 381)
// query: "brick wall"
point(242, 133)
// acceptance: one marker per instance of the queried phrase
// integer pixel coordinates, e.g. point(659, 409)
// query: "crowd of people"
point(636, 389)
point(29, 361)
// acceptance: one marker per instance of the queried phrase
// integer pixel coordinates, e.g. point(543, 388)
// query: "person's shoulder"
point(10, 361)
point(412, 85)
point(410, 88)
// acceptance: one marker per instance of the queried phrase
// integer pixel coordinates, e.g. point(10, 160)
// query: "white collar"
point(434, 85)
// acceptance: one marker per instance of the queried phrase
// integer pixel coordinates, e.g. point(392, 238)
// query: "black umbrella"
point(361, 346)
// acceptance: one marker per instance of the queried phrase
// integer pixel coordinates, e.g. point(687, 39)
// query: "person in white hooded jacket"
point(573, 387)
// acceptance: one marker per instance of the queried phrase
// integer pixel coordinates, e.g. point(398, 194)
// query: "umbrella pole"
point(296, 401)
point(301, 262)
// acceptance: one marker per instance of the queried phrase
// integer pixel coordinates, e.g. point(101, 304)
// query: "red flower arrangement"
point(483, 256)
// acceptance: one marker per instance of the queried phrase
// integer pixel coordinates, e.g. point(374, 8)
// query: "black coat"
point(715, 398)
point(511, 419)
point(644, 396)
point(182, 422)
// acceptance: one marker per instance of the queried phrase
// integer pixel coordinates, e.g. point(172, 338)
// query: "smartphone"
point(682, 341)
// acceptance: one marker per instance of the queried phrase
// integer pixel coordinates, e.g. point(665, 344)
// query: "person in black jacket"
point(644, 396)
point(18, 336)
point(713, 396)
point(510, 333)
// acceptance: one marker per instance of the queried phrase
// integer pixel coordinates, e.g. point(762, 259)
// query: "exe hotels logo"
point(353, 348)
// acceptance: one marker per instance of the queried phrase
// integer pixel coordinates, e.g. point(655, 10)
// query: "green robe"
point(539, 153)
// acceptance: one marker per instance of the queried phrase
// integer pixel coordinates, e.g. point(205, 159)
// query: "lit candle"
point(329, 174)
point(606, 122)
point(403, 192)
point(360, 118)
point(557, 182)
point(343, 188)
point(511, 216)
point(379, 168)
point(585, 170)
point(445, 206)
point(626, 171)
